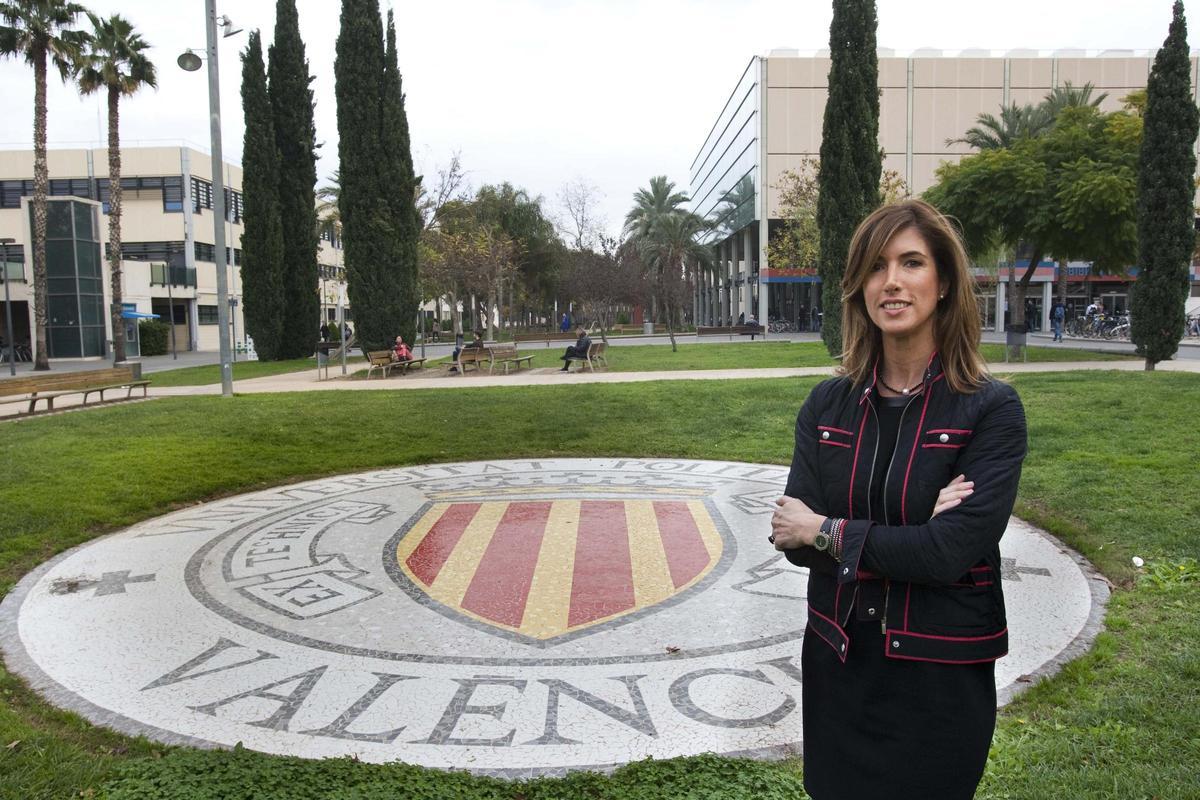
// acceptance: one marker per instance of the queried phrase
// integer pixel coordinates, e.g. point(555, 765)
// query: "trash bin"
point(323, 349)
point(648, 328)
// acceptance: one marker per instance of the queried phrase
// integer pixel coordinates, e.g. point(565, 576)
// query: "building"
point(772, 122)
point(168, 260)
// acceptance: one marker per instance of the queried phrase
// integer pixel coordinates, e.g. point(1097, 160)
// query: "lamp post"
point(12, 353)
point(190, 62)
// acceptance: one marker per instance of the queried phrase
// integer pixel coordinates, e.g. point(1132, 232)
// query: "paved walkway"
point(436, 377)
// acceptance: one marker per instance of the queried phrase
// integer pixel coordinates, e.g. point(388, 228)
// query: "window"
point(148, 251)
point(11, 193)
point(72, 187)
point(206, 315)
point(206, 252)
point(201, 195)
point(233, 206)
point(173, 193)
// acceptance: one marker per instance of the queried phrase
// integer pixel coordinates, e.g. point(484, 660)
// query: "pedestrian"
point(577, 350)
point(1058, 314)
point(905, 471)
point(565, 325)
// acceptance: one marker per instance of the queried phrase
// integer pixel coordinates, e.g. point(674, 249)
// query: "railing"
point(162, 274)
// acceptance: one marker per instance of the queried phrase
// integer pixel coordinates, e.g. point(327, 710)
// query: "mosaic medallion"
point(506, 617)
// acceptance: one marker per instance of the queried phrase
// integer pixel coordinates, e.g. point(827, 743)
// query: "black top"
point(889, 410)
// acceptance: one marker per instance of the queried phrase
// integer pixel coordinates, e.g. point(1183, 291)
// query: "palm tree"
point(659, 200)
point(329, 215)
point(669, 248)
point(1015, 123)
point(115, 61)
point(1069, 96)
point(38, 30)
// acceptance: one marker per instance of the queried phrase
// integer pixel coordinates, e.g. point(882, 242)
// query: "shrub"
point(154, 335)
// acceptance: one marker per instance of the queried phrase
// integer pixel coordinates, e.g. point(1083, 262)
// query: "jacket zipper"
point(887, 583)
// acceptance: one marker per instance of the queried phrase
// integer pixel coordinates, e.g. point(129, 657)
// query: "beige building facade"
point(772, 123)
point(168, 259)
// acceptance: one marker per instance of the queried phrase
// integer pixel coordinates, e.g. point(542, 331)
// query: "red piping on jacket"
point(953, 638)
point(912, 455)
point(846, 644)
point(931, 446)
point(862, 426)
point(834, 444)
point(948, 430)
point(838, 430)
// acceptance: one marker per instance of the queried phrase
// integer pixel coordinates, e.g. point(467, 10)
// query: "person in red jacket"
point(903, 478)
point(401, 351)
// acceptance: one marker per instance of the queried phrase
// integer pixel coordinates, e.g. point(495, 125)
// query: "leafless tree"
point(450, 185)
point(582, 226)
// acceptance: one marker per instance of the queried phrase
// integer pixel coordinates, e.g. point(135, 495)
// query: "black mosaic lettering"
point(289, 703)
point(681, 698)
point(639, 719)
point(180, 673)
point(340, 727)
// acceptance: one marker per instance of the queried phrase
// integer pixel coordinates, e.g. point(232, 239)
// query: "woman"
point(401, 351)
point(904, 475)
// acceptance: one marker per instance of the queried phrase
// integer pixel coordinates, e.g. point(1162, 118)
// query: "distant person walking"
point(1058, 314)
point(565, 325)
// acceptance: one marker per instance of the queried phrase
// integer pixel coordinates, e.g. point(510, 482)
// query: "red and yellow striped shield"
point(544, 568)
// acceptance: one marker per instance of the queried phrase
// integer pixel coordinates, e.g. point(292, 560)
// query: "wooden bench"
point(380, 360)
point(507, 355)
point(595, 355)
point(472, 355)
point(750, 330)
point(383, 361)
point(733, 330)
point(49, 386)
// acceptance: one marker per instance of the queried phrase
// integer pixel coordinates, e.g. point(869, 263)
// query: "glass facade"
point(725, 174)
point(74, 280)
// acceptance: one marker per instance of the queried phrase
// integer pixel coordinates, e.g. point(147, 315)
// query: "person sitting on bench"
point(401, 351)
point(476, 344)
point(577, 350)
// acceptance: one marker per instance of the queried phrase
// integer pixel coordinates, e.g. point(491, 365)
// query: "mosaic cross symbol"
point(112, 583)
point(1009, 570)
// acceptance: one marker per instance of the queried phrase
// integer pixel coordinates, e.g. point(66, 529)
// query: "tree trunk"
point(491, 304)
point(1062, 282)
point(114, 223)
point(1016, 303)
point(1149, 365)
point(41, 183)
point(670, 327)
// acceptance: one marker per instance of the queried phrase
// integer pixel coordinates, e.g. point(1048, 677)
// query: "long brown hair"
point(956, 321)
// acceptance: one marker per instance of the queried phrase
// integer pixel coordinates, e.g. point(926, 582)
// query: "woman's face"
point(901, 292)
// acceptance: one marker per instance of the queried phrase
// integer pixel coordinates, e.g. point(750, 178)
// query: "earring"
point(941, 297)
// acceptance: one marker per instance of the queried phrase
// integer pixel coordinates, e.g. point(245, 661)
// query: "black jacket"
point(938, 579)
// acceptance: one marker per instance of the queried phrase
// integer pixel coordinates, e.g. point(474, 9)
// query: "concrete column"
point(1047, 299)
point(730, 275)
point(1000, 292)
point(748, 268)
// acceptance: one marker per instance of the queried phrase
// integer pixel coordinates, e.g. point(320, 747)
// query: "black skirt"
point(878, 727)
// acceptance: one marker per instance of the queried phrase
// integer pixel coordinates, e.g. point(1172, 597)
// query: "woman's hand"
point(794, 524)
point(952, 494)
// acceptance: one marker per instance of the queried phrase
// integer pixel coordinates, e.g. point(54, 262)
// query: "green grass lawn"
point(1111, 470)
point(242, 370)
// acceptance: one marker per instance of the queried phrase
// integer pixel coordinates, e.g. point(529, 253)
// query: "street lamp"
point(12, 353)
point(190, 62)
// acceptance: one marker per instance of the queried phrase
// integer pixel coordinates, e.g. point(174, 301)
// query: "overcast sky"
point(540, 92)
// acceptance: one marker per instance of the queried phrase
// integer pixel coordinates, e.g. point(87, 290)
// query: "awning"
point(137, 315)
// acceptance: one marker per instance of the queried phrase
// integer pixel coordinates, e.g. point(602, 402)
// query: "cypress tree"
point(850, 158)
point(295, 137)
point(366, 231)
point(262, 240)
point(400, 188)
point(1166, 193)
